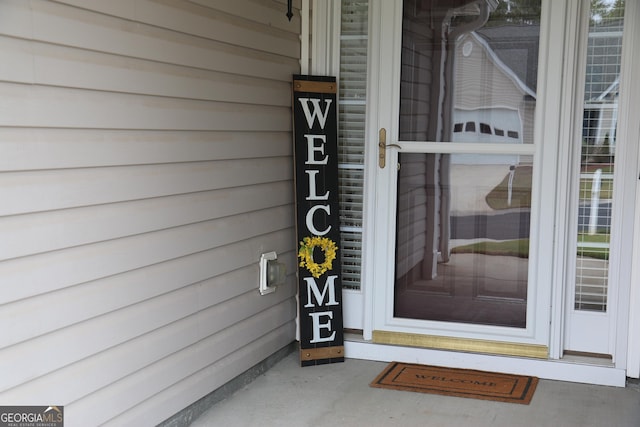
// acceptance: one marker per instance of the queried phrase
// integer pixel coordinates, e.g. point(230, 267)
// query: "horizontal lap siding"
point(145, 165)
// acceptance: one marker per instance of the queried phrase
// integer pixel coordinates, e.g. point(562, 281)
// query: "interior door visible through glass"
point(469, 75)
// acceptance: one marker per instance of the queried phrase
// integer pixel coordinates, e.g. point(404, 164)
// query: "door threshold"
point(587, 358)
point(571, 370)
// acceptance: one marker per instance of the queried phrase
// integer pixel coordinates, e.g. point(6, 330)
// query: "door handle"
point(382, 147)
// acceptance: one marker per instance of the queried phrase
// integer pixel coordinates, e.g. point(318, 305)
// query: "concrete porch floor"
point(339, 395)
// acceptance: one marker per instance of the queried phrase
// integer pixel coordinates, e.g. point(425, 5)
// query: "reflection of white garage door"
point(495, 125)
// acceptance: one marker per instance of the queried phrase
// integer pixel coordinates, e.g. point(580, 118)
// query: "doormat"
point(457, 382)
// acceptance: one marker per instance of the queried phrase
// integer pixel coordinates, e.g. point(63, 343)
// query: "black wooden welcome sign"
point(318, 225)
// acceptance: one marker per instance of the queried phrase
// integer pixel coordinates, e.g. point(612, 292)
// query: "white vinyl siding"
point(145, 165)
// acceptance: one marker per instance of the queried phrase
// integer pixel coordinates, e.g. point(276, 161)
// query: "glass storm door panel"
point(457, 209)
point(463, 207)
point(462, 239)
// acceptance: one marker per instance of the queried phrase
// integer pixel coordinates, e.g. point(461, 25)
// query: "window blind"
point(597, 159)
point(351, 133)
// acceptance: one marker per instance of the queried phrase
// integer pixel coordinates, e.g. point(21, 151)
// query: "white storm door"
point(461, 247)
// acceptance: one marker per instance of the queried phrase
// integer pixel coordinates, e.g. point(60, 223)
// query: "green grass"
point(520, 248)
point(595, 252)
point(513, 248)
point(606, 188)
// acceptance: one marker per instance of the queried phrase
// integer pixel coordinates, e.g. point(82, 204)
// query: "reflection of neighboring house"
point(602, 86)
point(502, 55)
point(505, 114)
point(493, 72)
point(494, 125)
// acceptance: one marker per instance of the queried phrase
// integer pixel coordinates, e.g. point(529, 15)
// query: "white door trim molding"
point(633, 354)
point(325, 44)
point(630, 106)
point(625, 215)
point(382, 22)
point(568, 105)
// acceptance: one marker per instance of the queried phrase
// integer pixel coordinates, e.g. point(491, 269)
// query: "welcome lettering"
point(317, 113)
point(320, 285)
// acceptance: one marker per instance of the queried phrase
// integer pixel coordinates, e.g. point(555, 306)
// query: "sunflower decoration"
point(328, 248)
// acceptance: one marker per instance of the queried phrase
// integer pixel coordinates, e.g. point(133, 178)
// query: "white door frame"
point(627, 336)
point(615, 325)
point(584, 330)
point(557, 107)
point(633, 353)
